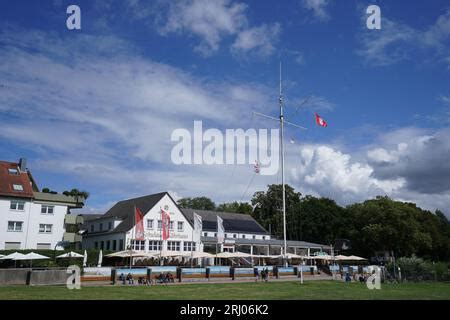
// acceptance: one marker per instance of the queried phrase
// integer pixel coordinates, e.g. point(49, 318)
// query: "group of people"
point(161, 278)
point(264, 274)
point(165, 278)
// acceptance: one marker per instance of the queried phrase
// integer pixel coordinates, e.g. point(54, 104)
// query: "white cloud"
point(318, 7)
point(209, 20)
point(213, 22)
point(397, 41)
point(258, 39)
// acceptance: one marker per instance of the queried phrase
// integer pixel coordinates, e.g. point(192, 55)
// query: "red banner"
point(139, 220)
point(165, 220)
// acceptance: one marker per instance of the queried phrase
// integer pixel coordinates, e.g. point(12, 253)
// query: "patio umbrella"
point(85, 259)
point(12, 256)
point(100, 259)
point(322, 257)
point(126, 254)
point(1, 255)
point(356, 258)
point(70, 254)
point(32, 256)
point(197, 255)
point(236, 254)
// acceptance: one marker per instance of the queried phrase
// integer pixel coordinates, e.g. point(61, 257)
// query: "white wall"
point(150, 234)
point(31, 216)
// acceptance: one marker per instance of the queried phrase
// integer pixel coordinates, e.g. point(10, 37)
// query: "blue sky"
point(94, 108)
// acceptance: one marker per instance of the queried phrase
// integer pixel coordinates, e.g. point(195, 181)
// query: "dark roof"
point(7, 180)
point(124, 210)
point(232, 222)
point(238, 241)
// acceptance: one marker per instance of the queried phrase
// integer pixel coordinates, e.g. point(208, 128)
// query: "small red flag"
point(165, 220)
point(320, 121)
point(139, 220)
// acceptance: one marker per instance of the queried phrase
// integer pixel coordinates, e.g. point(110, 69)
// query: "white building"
point(30, 219)
point(115, 230)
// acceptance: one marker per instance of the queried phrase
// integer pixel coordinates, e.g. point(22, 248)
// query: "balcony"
point(72, 237)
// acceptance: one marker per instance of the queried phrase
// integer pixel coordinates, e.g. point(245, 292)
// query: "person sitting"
point(122, 278)
point(170, 278)
point(141, 280)
point(130, 279)
point(161, 278)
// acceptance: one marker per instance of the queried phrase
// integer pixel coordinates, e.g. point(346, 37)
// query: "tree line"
point(375, 225)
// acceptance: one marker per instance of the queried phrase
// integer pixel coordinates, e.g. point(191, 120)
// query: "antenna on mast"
point(282, 123)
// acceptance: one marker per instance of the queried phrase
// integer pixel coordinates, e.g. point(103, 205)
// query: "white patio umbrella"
point(197, 255)
point(12, 256)
point(236, 254)
point(1, 255)
point(32, 256)
point(126, 254)
point(356, 258)
point(100, 259)
point(70, 254)
point(322, 257)
point(85, 259)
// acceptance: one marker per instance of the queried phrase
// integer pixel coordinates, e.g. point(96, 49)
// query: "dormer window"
point(13, 171)
point(17, 187)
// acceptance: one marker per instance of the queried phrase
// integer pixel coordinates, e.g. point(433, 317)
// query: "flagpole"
point(160, 240)
point(282, 169)
point(133, 233)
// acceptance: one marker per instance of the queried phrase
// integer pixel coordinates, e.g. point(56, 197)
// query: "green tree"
point(198, 203)
point(237, 207)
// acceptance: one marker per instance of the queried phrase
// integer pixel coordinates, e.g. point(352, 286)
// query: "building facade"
point(116, 228)
point(30, 219)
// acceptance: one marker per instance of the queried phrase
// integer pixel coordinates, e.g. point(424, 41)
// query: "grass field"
point(312, 290)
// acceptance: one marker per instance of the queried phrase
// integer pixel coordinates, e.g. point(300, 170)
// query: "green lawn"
point(237, 291)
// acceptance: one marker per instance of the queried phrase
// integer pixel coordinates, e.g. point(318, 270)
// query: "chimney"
point(23, 164)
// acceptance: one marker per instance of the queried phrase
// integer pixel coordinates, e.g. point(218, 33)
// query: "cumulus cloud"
point(260, 39)
point(318, 7)
point(398, 41)
point(421, 160)
point(214, 21)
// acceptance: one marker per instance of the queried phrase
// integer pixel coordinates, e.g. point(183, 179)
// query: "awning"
point(70, 254)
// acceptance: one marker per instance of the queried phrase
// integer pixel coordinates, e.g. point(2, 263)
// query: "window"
point(226, 235)
point(254, 237)
point(138, 245)
point(102, 245)
point(154, 245)
point(205, 234)
point(12, 245)
point(47, 209)
point(215, 234)
point(150, 224)
point(13, 171)
point(180, 226)
point(109, 225)
point(120, 244)
point(92, 228)
point(159, 224)
point(45, 228)
point(101, 226)
point(170, 225)
point(264, 237)
point(188, 246)
point(234, 235)
point(43, 246)
point(17, 205)
point(108, 245)
point(114, 245)
point(96, 244)
point(17, 187)
point(243, 236)
point(173, 245)
point(15, 226)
